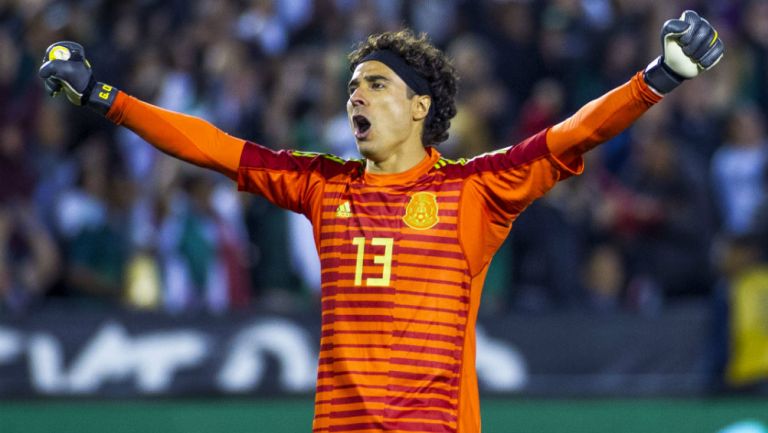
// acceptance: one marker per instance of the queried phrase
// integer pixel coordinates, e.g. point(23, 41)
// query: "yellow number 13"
point(384, 259)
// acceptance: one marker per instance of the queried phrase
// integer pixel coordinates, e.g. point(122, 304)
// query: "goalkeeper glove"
point(690, 45)
point(67, 69)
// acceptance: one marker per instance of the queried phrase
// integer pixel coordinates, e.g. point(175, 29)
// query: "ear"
point(420, 106)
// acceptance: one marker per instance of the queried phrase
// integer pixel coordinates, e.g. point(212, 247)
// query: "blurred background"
point(633, 298)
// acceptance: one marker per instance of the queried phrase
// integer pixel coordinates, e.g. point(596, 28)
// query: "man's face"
point(380, 113)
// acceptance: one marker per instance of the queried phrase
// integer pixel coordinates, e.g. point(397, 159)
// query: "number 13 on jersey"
point(385, 260)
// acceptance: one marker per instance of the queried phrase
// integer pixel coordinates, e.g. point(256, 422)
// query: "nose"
point(357, 98)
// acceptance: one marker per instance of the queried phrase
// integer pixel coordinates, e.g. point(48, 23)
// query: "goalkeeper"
point(405, 236)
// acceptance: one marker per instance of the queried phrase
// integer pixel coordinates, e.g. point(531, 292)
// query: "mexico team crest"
point(421, 212)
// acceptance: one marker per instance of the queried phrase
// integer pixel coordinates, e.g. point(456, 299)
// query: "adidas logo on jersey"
point(344, 210)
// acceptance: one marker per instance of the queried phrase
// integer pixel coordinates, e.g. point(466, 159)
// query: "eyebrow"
point(368, 78)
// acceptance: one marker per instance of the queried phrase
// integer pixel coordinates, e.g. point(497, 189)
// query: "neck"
point(397, 162)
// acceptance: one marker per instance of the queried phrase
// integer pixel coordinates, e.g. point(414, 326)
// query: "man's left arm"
point(690, 45)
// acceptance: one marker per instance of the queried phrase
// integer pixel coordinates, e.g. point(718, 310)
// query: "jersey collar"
point(409, 175)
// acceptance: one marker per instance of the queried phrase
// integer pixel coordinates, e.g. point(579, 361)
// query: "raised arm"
point(689, 46)
point(185, 137)
point(601, 119)
point(508, 180)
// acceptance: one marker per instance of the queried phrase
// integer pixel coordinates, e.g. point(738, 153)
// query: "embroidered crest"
point(421, 212)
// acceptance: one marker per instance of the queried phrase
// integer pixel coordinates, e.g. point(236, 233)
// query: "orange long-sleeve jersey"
point(403, 256)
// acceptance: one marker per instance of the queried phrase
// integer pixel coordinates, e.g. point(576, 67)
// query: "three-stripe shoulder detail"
point(531, 149)
point(256, 156)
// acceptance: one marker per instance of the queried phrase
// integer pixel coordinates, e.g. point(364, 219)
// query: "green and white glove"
point(690, 45)
point(65, 68)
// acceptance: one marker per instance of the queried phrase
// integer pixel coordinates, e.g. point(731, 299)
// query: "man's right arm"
point(185, 137)
point(66, 69)
point(287, 179)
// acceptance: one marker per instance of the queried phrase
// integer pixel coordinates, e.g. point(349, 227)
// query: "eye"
point(377, 85)
point(351, 89)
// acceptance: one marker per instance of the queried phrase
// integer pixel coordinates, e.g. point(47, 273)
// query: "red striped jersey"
point(403, 259)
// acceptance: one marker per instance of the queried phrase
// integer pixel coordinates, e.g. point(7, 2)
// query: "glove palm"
point(690, 45)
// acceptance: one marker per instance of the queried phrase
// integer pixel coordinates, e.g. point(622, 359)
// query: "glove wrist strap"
point(660, 77)
point(101, 97)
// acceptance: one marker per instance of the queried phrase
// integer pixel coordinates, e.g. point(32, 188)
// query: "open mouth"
point(362, 126)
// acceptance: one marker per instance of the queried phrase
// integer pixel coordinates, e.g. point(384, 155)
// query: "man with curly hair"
point(405, 236)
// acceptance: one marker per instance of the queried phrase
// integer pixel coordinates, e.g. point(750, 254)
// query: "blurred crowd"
point(673, 208)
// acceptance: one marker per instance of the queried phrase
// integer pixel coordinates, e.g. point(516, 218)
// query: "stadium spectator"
point(481, 102)
point(29, 259)
point(754, 66)
point(202, 254)
point(662, 221)
point(91, 217)
point(738, 167)
point(738, 332)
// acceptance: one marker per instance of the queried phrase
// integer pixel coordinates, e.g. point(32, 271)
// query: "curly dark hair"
point(428, 61)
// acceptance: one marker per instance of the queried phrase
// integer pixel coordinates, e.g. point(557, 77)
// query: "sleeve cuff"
point(644, 90)
point(116, 113)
